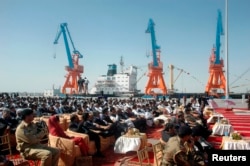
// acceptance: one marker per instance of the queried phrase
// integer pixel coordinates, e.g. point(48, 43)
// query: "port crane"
point(74, 70)
point(180, 72)
point(172, 80)
point(216, 78)
point(155, 68)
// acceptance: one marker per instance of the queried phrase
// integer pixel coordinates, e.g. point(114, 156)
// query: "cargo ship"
point(117, 84)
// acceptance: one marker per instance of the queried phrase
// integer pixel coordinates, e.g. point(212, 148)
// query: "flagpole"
point(226, 49)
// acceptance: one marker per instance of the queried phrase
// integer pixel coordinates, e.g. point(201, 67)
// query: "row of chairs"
point(143, 156)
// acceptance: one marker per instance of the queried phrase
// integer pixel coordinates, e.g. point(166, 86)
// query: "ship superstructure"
point(117, 84)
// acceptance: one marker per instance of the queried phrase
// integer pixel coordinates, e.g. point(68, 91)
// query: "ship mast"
point(122, 64)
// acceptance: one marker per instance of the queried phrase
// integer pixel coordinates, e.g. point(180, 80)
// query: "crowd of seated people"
point(186, 132)
point(112, 117)
point(139, 111)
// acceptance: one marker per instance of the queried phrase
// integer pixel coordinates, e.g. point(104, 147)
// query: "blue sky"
point(105, 30)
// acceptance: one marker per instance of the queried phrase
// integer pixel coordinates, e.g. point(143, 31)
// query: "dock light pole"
point(226, 49)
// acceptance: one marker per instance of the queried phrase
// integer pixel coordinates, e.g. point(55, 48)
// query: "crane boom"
point(64, 30)
point(155, 47)
point(181, 70)
point(141, 77)
point(239, 77)
point(219, 32)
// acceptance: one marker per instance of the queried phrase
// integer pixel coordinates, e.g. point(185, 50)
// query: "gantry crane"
point(74, 69)
point(216, 79)
point(155, 73)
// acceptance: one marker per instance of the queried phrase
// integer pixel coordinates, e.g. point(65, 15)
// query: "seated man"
point(44, 110)
point(168, 132)
point(79, 109)
point(58, 108)
point(12, 109)
point(138, 121)
point(164, 114)
point(119, 116)
point(196, 155)
point(175, 152)
point(206, 132)
point(114, 118)
point(191, 120)
point(105, 115)
point(116, 127)
point(77, 126)
point(97, 119)
point(178, 120)
point(199, 150)
point(90, 125)
point(7, 121)
point(19, 115)
point(28, 141)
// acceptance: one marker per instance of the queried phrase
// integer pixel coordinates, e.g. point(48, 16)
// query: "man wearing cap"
point(28, 141)
point(175, 151)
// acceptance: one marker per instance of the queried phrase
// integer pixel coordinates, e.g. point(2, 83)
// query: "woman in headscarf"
point(56, 130)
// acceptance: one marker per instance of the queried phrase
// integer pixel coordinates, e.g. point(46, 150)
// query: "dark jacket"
point(79, 128)
point(107, 119)
point(166, 135)
point(3, 126)
point(12, 123)
point(99, 121)
point(90, 126)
